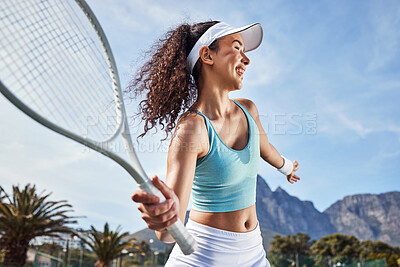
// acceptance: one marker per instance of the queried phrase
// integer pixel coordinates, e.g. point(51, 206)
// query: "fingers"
point(157, 226)
point(157, 209)
point(165, 190)
point(162, 220)
point(141, 196)
point(293, 178)
point(158, 216)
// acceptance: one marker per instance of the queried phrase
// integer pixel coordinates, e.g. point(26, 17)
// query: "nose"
point(245, 59)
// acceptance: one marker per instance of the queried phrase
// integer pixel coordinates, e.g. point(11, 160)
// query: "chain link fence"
point(286, 260)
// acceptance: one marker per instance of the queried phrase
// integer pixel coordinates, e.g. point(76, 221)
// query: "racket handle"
point(178, 231)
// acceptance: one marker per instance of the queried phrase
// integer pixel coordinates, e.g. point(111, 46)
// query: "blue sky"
point(326, 81)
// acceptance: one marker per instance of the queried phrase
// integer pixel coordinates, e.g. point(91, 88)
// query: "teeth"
point(240, 71)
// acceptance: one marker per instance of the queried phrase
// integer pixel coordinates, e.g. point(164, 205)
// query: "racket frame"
point(186, 242)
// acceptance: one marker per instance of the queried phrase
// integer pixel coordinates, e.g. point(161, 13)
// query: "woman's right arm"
point(189, 142)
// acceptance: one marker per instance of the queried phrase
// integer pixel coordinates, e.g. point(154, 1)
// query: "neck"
point(213, 98)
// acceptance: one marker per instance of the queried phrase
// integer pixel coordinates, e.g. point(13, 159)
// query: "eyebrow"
point(238, 42)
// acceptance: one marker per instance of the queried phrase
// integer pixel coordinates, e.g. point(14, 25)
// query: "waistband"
point(211, 231)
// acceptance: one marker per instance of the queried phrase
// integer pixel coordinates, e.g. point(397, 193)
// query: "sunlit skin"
point(222, 72)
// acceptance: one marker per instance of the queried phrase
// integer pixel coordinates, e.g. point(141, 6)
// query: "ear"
point(206, 56)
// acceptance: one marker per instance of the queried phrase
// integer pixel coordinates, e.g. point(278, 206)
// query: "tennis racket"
point(57, 67)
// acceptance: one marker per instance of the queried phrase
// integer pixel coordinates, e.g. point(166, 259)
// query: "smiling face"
point(230, 61)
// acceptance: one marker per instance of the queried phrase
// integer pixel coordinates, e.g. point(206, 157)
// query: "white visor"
point(251, 34)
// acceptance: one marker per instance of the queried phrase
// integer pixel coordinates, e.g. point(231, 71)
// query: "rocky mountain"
point(286, 214)
point(368, 216)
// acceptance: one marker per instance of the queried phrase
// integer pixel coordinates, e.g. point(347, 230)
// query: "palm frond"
point(107, 244)
point(29, 214)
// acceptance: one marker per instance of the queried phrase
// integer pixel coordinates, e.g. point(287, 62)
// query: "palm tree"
point(28, 215)
point(107, 245)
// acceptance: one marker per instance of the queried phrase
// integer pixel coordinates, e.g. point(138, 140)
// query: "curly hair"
point(170, 90)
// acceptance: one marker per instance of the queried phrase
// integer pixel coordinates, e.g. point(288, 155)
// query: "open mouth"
point(240, 71)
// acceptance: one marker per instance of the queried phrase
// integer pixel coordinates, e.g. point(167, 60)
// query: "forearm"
point(283, 165)
point(272, 156)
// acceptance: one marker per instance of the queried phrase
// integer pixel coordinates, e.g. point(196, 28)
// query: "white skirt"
point(218, 247)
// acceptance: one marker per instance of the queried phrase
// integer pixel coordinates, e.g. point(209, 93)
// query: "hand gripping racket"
point(57, 67)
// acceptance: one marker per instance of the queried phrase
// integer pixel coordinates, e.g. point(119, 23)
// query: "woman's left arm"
point(267, 151)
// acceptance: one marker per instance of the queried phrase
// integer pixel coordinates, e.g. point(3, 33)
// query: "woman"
point(215, 148)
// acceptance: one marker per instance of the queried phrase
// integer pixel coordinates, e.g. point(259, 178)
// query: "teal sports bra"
point(225, 179)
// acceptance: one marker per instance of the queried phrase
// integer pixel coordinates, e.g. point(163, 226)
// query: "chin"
point(236, 85)
point(237, 88)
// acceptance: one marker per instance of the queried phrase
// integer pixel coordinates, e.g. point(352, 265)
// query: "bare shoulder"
point(189, 123)
point(249, 105)
point(190, 130)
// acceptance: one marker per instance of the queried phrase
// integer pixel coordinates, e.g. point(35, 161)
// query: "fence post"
point(66, 254)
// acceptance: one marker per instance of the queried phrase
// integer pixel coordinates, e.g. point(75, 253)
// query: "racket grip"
point(185, 241)
point(181, 235)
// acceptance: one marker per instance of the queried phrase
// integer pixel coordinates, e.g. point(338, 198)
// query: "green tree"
point(28, 215)
point(371, 250)
point(107, 245)
point(337, 248)
point(288, 250)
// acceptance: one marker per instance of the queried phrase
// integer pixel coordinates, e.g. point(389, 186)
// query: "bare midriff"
point(241, 221)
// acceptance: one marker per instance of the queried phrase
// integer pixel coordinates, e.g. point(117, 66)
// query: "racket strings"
point(76, 46)
point(105, 71)
point(36, 48)
point(35, 62)
point(34, 68)
point(53, 61)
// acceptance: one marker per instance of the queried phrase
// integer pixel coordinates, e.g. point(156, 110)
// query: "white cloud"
point(333, 118)
point(347, 123)
point(336, 118)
